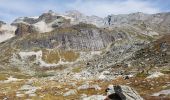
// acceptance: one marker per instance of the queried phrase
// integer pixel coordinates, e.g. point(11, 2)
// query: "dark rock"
point(121, 92)
point(126, 77)
point(24, 29)
point(1, 23)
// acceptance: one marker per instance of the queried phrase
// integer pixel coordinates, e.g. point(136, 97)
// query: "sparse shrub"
point(43, 74)
point(3, 77)
point(77, 69)
point(141, 74)
point(69, 55)
point(50, 56)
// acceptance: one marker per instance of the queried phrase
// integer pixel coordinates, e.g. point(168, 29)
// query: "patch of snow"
point(95, 97)
point(42, 27)
point(155, 75)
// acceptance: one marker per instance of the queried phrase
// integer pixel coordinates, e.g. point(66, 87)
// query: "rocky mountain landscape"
point(72, 56)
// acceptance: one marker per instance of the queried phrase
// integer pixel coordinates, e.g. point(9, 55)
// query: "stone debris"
point(28, 89)
point(87, 86)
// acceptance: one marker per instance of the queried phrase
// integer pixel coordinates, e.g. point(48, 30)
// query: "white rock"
point(20, 95)
point(28, 89)
point(155, 75)
point(95, 97)
point(84, 86)
point(10, 79)
point(165, 92)
point(124, 92)
point(87, 86)
point(70, 92)
point(102, 77)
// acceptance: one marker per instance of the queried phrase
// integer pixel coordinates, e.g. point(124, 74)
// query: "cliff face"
point(118, 37)
point(79, 37)
point(24, 29)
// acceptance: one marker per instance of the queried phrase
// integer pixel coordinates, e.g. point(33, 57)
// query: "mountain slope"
point(58, 56)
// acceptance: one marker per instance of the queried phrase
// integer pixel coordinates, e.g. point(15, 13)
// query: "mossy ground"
point(54, 56)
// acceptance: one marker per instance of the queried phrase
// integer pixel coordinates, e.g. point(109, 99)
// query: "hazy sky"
point(11, 9)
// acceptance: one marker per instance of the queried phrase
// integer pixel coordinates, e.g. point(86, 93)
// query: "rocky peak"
point(74, 13)
point(24, 29)
point(148, 24)
point(48, 17)
point(125, 18)
point(51, 12)
point(1, 23)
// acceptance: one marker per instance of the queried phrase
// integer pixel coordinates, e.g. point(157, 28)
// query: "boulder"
point(70, 92)
point(122, 92)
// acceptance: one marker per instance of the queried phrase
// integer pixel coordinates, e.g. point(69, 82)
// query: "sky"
point(12, 9)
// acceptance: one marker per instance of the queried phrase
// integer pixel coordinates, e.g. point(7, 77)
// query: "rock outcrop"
point(2, 23)
point(77, 37)
point(122, 93)
point(24, 29)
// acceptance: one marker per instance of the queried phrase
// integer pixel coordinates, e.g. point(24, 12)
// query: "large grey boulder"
point(122, 92)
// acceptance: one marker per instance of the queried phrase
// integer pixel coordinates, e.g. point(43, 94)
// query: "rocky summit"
point(72, 56)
